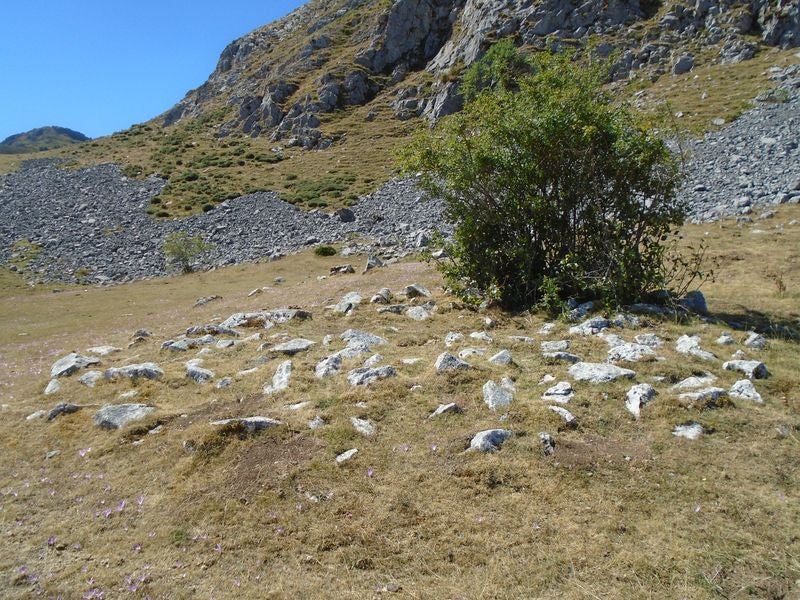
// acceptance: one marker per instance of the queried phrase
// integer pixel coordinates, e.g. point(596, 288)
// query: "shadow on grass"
point(766, 324)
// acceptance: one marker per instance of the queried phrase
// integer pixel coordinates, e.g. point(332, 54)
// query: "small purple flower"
point(139, 500)
point(107, 488)
point(434, 447)
point(51, 541)
point(84, 451)
point(152, 534)
point(137, 547)
point(121, 506)
point(370, 472)
point(217, 548)
point(107, 513)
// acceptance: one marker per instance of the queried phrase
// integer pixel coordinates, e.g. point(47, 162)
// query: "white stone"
point(251, 424)
point(649, 339)
point(447, 362)
point(373, 361)
point(364, 426)
point(345, 456)
point(103, 350)
point(568, 417)
point(292, 347)
point(726, 339)
point(630, 353)
point(753, 369)
point(52, 388)
point(745, 390)
point(561, 392)
point(481, 336)
point(598, 372)
point(502, 358)
point(280, 381)
point(418, 313)
point(690, 345)
point(754, 340)
point(695, 381)
point(690, 431)
point(470, 352)
point(559, 346)
point(495, 396)
point(367, 376)
point(489, 440)
point(328, 366)
point(453, 338)
point(637, 397)
point(591, 326)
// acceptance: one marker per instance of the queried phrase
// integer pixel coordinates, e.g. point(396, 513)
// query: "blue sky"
point(99, 66)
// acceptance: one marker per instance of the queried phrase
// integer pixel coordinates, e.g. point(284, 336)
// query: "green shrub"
point(500, 68)
point(324, 250)
point(555, 191)
point(180, 249)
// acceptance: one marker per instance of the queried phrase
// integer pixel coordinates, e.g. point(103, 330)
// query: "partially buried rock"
point(495, 396)
point(355, 337)
point(65, 408)
point(754, 340)
point(52, 387)
point(415, 290)
point(637, 397)
point(292, 347)
point(502, 358)
point(745, 390)
point(364, 426)
point(71, 363)
point(630, 353)
point(556, 346)
point(384, 296)
point(690, 430)
point(373, 262)
point(114, 416)
point(418, 313)
point(753, 369)
point(446, 409)
point(447, 362)
point(197, 373)
point(90, 378)
point(569, 419)
point(690, 345)
point(561, 357)
point(141, 371)
point(250, 424)
point(599, 372)
point(345, 456)
point(328, 367)
point(103, 350)
point(561, 393)
point(649, 339)
point(695, 381)
point(591, 326)
point(367, 375)
point(280, 381)
point(490, 440)
point(695, 302)
point(712, 397)
point(348, 303)
point(453, 338)
point(548, 443)
point(342, 269)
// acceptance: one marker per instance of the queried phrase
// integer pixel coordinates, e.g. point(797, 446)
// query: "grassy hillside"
point(40, 140)
point(622, 509)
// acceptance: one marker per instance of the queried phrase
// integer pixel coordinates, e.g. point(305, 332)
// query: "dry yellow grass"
point(622, 510)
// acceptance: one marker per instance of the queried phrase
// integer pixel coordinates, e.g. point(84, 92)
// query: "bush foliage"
point(180, 249)
point(555, 191)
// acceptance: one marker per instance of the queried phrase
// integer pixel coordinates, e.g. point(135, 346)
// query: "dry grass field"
point(171, 507)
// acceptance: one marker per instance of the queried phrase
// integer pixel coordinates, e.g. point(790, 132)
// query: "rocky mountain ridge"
point(280, 80)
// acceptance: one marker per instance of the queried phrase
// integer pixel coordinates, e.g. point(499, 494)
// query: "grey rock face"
point(418, 313)
point(683, 65)
point(695, 381)
point(70, 364)
point(52, 387)
point(490, 440)
point(364, 426)
point(599, 372)
point(415, 290)
point(355, 337)
point(691, 345)
point(197, 373)
point(90, 378)
point(140, 371)
point(562, 357)
point(447, 362)
point(756, 341)
point(502, 358)
point(328, 367)
point(548, 443)
point(115, 416)
point(649, 339)
point(706, 397)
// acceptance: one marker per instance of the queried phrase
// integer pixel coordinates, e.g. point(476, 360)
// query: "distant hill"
point(42, 138)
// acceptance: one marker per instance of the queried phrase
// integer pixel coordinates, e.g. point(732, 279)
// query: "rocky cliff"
point(330, 54)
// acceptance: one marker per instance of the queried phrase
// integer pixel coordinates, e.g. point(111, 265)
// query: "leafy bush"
point(325, 251)
point(555, 191)
point(181, 249)
point(500, 68)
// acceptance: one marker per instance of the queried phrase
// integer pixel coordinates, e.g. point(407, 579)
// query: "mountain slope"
point(313, 105)
point(41, 139)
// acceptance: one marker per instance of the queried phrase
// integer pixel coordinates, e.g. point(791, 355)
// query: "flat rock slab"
point(649, 339)
point(141, 371)
point(292, 347)
point(695, 381)
point(265, 319)
point(415, 290)
point(502, 358)
point(53, 387)
point(453, 338)
point(599, 372)
point(569, 419)
point(345, 456)
point(418, 313)
point(561, 357)
point(251, 424)
point(356, 337)
point(707, 397)
point(198, 374)
point(328, 367)
point(753, 369)
point(364, 426)
point(556, 346)
point(367, 375)
point(90, 378)
point(591, 326)
point(447, 362)
point(70, 364)
point(114, 416)
point(103, 350)
point(490, 440)
point(690, 345)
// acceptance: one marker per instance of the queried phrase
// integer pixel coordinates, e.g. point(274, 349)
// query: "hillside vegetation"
point(40, 140)
point(173, 507)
